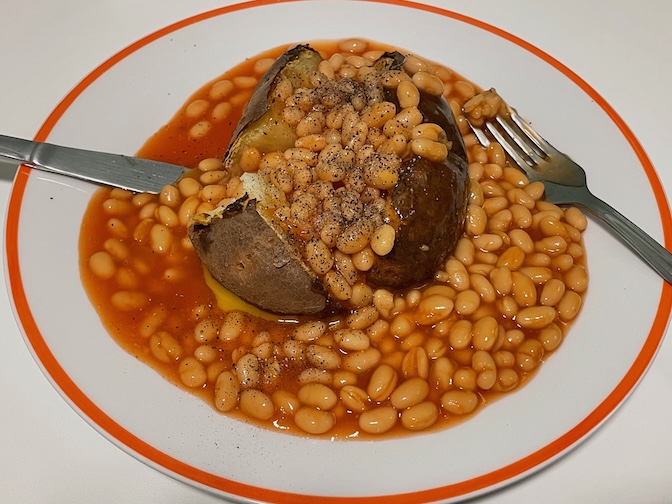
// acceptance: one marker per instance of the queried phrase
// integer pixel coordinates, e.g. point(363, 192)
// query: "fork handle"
point(657, 256)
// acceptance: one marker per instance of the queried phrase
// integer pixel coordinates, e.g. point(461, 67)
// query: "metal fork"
point(565, 182)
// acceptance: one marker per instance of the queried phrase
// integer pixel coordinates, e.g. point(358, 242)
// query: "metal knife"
point(126, 172)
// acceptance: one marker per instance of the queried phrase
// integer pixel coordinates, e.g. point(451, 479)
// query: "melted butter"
point(228, 301)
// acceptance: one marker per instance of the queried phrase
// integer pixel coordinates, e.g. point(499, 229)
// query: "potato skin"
point(250, 259)
point(430, 201)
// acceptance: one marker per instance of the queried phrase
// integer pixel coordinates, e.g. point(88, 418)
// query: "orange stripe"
point(480, 483)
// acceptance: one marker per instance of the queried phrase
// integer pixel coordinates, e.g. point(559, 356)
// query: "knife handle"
point(17, 149)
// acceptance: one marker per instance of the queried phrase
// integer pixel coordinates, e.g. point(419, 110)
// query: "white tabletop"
point(48, 454)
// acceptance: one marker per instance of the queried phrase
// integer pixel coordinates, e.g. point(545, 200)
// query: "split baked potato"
point(287, 250)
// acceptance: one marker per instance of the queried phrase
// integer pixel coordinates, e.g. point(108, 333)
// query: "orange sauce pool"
point(151, 299)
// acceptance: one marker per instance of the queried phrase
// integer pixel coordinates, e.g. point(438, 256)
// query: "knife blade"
point(116, 170)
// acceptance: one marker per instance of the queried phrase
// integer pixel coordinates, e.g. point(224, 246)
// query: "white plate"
point(126, 99)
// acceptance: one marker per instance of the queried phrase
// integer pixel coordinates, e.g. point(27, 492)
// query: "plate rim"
point(467, 488)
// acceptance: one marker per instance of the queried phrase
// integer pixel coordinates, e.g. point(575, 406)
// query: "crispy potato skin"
point(248, 257)
point(430, 200)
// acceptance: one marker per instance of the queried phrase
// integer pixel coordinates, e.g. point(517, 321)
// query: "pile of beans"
point(395, 362)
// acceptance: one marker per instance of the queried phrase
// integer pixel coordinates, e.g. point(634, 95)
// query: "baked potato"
point(289, 243)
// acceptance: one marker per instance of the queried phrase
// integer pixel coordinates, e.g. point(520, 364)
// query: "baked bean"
point(457, 274)
point(409, 393)
point(226, 391)
point(575, 250)
point(569, 305)
point(362, 318)
point(494, 203)
point(415, 363)
point(576, 218)
point(362, 360)
point(467, 302)
point(460, 334)
point(192, 373)
point(318, 256)
point(552, 292)
point(493, 171)
point(464, 251)
point(257, 404)
point(465, 379)
point(205, 354)
point(573, 233)
point(151, 323)
point(117, 207)
point(149, 210)
point(518, 196)
point(551, 245)
point(362, 295)
point(500, 221)
point(504, 358)
point(232, 326)
point(315, 375)
point(314, 421)
point(435, 348)
point(165, 347)
point(502, 280)
point(459, 402)
point(248, 370)
point(550, 337)
point(535, 317)
point(529, 355)
point(354, 398)
point(433, 308)
point(484, 365)
point(378, 420)
point(522, 217)
point(513, 175)
point(310, 331)
point(476, 220)
point(352, 339)
point(317, 395)
point(206, 331)
point(343, 378)
point(338, 285)
point(323, 357)
point(538, 259)
point(523, 289)
point(488, 242)
point(129, 300)
point(102, 265)
point(576, 278)
point(117, 228)
point(427, 82)
point(441, 373)
point(420, 417)
point(382, 240)
point(537, 274)
point(415, 339)
point(294, 350)
point(507, 379)
point(382, 382)
point(402, 325)
point(285, 402)
point(521, 240)
point(484, 333)
point(188, 209)
point(512, 258)
point(535, 190)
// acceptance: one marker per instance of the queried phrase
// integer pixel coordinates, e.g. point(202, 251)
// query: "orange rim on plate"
point(464, 488)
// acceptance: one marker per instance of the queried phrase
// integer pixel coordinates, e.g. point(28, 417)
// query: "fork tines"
point(525, 147)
